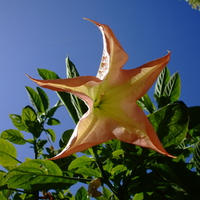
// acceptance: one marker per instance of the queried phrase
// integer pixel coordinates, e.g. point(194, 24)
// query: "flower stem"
point(104, 176)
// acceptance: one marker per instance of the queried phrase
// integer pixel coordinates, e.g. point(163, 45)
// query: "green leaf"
point(52, 111)
point(81, 161)
point(28, 114)
point(146, 104)
point(38, 175)
point(53, 121)
point(107, 193)
point(118, 153)
point(71, 69)
point(194, 113)
point(167, 89)
point(41, 143)
point(8, 154)
point(44, 98)
point(197, 157)
point(35, 99)
point(162, 80)
point(4, 194)
point(88, 172)
point(171, 123)
point(65, 138)
point(81, 194)
point(78, 104)
point(118, 169)
point(180, 176)
point(17, 122)
point(52, 134)
point(47, 74)
point(29, 119)
point(138, 196)
point(173, 88)
point(13, 136)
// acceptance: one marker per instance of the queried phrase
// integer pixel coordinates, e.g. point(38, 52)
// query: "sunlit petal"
point(114, 57)
point(111, 98)
point(92, 129)
point(81, 86)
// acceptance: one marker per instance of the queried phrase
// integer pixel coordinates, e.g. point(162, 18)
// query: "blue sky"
point(40, 33)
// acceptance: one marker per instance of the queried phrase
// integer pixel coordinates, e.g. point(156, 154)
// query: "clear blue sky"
point(40, 33)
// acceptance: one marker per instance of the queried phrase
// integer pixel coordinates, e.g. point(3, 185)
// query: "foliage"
point(195, 4)
point(113, 170)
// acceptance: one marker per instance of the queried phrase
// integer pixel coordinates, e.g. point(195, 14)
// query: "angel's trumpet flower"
point(111, 99)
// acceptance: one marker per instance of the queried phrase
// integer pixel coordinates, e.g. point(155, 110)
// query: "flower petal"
point(137, 128)
point(81, 86)
point(131, 124)
point(92, 129)
point(114, 57)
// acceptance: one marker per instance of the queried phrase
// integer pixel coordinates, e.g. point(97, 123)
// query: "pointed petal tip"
point(96, 23)
point(169, 155)
point(165, 153)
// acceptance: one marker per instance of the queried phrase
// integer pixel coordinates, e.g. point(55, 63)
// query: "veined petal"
point(143, 77)
point(114, 57)
point(137, 128)
point(111, 98)
point(81, 86)
point(132, 125)
point(92, 129)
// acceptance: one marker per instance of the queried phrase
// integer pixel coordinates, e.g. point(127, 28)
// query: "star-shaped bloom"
point(111, 99)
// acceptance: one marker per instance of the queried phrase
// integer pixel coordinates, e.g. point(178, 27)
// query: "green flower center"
point(97, 101)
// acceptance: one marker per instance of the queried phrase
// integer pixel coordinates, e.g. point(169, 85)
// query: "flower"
point(111, 99)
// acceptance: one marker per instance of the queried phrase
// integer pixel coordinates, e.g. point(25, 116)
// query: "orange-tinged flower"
point(111, 99)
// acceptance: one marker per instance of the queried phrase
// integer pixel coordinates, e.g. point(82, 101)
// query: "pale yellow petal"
point(82, 86)
point(92, 129)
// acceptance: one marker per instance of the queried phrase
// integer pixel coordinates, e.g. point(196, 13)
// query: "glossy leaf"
point(71, 69)
point(88, 172)
point(52, 110)
point(29, 119)
point(173, 88)
point(17, 122)
point(118, 153)
point(118, 169)
point(37, 175)
point(180, 176)
point(78, 104)
point(44, 98)
point(13, 136)
point(197, 157)
point(4, 194)
point(52, 134)
point(162, 80)
point(81, 194)
point(8, 154)
point(146, 104)
point(47, 74)
point(35, 99)
point(53, 121)
point(107, 193)
point(65, 138)
point(171, 123)
point(81, 161)
point(167, 89)
point(194, 113)
point(138, 196)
